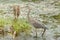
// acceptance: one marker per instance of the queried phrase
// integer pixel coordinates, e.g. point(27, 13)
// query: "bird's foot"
point(36, 37)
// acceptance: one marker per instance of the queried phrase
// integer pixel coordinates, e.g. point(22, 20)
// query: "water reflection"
point(23, 37)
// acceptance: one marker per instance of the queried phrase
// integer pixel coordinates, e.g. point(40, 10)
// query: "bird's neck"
point(31, 20)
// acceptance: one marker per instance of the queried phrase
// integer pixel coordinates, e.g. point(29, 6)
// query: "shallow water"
point(46, 9)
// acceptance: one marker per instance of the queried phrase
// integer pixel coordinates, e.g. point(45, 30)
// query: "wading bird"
point(35, 23)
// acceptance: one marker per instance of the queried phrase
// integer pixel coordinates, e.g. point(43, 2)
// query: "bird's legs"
point(36, 33)
point(43, 32)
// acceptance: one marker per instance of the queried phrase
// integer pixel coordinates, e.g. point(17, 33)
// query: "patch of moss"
point(21, 25)
point(2, 22)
